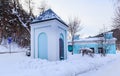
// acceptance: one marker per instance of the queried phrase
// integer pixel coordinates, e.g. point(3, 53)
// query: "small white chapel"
point(49, 37)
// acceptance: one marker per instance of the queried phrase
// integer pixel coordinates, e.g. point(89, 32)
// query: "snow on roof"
point(94, 39)
point(91, 39)
point(48, 15)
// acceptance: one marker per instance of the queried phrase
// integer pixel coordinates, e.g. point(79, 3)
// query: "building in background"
point(116, 34)
point(107, 43)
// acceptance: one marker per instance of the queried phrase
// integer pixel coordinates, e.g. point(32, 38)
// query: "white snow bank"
point(13, 47)
point(18, 64)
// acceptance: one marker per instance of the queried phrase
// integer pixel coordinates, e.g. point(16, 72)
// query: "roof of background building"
point(94, 39)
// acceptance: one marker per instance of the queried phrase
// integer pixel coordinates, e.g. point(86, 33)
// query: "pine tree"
point(15, 22)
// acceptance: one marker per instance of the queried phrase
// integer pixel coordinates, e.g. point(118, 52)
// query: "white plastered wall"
point(53, 29)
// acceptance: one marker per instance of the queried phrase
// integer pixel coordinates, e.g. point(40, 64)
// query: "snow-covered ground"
point(111, 69)
point(13, 48)
point(17, 64)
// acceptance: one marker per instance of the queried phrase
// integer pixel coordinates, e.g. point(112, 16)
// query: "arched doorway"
point(61, 47)
point(42, 46)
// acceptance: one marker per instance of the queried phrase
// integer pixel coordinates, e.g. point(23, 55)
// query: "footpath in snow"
point(111, 69)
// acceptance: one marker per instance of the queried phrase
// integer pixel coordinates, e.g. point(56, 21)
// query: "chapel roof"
point(48, 15)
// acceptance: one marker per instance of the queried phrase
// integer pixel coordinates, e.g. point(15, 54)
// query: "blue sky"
point(92, 13)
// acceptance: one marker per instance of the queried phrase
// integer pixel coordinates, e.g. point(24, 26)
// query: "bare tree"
point(116, 19)
point(74, 27)
point(104, 41)
point(43, 7)
point(30, 5)
point(118, 1)
point(103, 29)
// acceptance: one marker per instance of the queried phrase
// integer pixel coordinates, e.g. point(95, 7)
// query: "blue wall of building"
point(110, 48)
point(77, 47)
point(108, 35)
